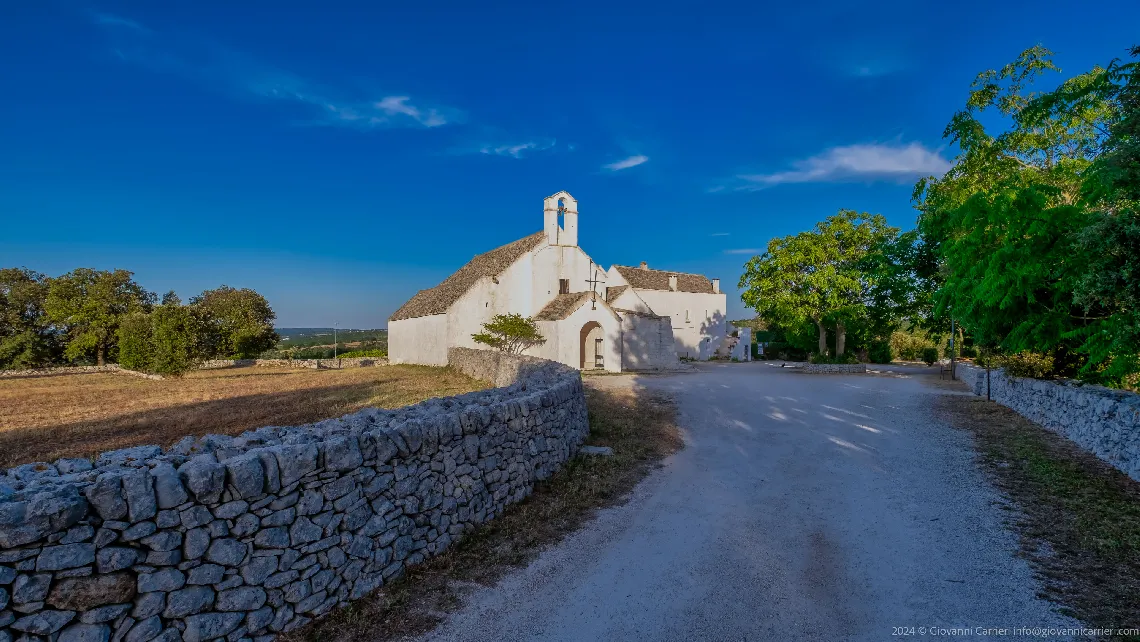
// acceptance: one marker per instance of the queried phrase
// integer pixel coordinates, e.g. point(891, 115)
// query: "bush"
point(908, 345)
point(363, 353)
point(930, 355)
point(969, 351)
point(135, 342)
point(1028, 364)
point(880, 352)
point(175, 333)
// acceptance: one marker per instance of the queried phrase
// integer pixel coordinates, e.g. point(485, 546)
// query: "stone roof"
point(648, 315)
point(438, 299)
point(561, 306)
point(613, 293)
point(645, 279)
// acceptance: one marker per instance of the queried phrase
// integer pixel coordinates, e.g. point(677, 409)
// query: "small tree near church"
point(510, 333)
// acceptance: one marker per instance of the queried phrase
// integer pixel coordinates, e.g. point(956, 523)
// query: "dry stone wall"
point(240, 538)
point(334, 364)
point(835, 368)
point(1103, 421)
point(67, 370)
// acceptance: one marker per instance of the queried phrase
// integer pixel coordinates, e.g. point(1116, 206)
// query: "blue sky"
point(340, 156)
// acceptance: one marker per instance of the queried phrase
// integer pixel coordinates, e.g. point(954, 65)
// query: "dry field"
point(44, 418)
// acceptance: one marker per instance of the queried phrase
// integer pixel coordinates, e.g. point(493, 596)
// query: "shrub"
point(969, 351)
point(880, 352)
point(908, 345)
point(510, 333)
point(136, 342)
point(175, 333)
point(1028, 364)
point(930, 355)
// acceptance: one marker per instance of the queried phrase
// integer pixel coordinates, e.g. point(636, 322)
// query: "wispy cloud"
point(517, 150)
point(111, 20)
point(719, 234)
point(744, 250)
point(853, 163)
point(229, 71)
point(626, 163)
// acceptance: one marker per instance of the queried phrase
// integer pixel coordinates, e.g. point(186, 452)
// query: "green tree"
point(176, 336)
point(167, 340)
point(1005, 223)
point(238, 323)
point(510, 333)
point(817, 276)
point(26, 337)
point(89, 305)
point(136, 342)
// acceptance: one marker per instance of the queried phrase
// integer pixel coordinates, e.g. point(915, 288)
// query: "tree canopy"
point(89, 305)
point(239, 322)
point(819, 276)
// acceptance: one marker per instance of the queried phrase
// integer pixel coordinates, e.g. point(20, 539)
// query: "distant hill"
point(301, 337)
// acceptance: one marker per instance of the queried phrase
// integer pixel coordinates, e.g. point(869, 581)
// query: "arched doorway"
point(593, 346)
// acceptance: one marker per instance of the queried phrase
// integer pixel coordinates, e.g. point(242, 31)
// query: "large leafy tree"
point(816, 276)
point(26, 337)
point(238, 322)
point(89, 305)
point(1108, 288)
point(1004, 222)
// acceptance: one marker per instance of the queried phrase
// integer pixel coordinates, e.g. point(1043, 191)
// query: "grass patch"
point(1078, 517)
point(44, 418)
point(642, 431)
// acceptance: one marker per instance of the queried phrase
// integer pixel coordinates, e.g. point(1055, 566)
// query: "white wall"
point(420, 340)
point(553, 262)
point(629, 300)
point(701, 333)
point(648, 343)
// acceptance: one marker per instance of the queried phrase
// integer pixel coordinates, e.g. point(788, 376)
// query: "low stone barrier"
point(835, 368)
point(1103, 421)
point(244, 537)
point(334, 364)
point(66, 370)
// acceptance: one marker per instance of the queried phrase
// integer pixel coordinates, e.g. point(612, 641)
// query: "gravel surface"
point(805, 507)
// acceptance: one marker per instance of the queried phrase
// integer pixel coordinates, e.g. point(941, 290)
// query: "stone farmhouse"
point(624, 318)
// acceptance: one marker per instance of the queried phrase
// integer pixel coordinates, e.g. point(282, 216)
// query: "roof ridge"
point(649, 269)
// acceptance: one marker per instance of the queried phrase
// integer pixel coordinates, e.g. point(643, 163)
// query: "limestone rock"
point(86, 593)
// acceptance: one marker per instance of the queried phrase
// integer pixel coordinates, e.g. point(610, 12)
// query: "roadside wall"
point(1103, 421)
point(835, 368)
point(242, 538)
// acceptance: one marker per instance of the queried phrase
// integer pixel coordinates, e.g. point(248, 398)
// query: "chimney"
point(644, 265)
point(673, 282)
point(716, 286)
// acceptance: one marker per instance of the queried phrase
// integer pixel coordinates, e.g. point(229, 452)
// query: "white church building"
point(624, 318)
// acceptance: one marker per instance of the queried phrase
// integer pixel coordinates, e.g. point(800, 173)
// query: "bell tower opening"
point(560, 219)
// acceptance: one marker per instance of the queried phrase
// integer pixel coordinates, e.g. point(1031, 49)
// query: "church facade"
point(624, 318)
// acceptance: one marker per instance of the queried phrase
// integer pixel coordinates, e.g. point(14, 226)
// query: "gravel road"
point(803, 507)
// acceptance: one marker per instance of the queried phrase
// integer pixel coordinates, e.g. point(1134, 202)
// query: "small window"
point(686, 316)
point(564, 286)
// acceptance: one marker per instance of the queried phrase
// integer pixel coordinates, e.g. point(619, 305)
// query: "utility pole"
point(336, 322)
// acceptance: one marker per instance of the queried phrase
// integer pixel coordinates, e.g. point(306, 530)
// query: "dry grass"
point(44, 418)
point(641, 430)
point(1078, 517)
